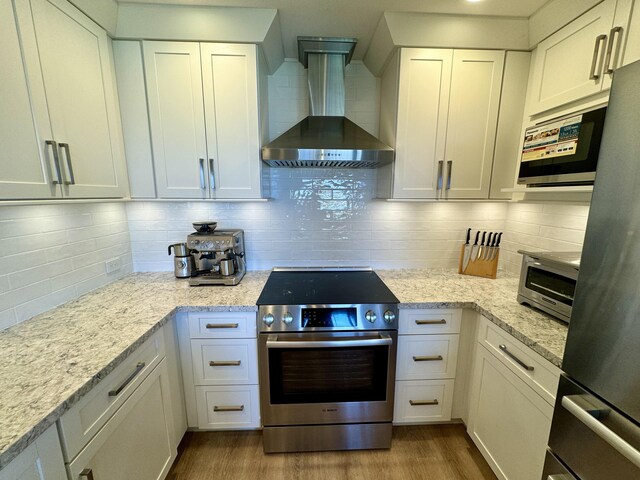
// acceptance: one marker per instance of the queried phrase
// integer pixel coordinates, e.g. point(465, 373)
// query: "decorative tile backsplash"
point(319, 217)
point(53, 253)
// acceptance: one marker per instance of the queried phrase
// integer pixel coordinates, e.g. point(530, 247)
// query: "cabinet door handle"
point(427, 358)
point(87, 473)
point(528, 368)
point(616, 32)
point(212, 177)
point(229, 408)
point(415, 403)
point(72, 178)
point(202, 184)
point(222, 325)
point(116, 392)
point(56, 160)
point(442, 321)
point(440, 168)
point(225, 363)
point(449, 169)
point(594, 61)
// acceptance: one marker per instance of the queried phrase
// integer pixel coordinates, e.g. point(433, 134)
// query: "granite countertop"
point(50, 361)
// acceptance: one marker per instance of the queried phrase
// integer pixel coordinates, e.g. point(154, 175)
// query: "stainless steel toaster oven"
point(548, 281)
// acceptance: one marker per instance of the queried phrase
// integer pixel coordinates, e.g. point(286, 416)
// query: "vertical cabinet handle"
point(56, 160)
point(593, 75)
point(212, 178)
point(616, 32)
point(87, 473)
point(72, 178)
point(202, 184)
point(449, 168)
point(440, 168)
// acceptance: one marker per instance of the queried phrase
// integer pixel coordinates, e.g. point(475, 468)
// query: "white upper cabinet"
point(445, 122)
point(70, 54)
point(176, 114)
point(230, 80)
point(25, 169)
point(472, 122)
point(578, 60)
point(203, 109)
point(425, 78)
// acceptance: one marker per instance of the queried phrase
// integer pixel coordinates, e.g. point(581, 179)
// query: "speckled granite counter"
point(50, 361)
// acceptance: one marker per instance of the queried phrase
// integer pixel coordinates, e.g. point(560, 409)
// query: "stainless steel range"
point(327, 355)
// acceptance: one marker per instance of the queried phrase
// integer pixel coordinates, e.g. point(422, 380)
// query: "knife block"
point(479, 267)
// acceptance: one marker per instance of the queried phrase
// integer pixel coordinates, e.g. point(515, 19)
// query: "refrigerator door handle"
point(571, 404)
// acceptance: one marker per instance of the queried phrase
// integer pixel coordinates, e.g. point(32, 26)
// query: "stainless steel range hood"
point(326, 138)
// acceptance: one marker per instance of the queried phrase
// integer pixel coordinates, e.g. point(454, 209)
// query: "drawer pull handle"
point(230, 408)
point(417, 403)
point(427, 358)
point(442, 321)
point(116, 392)
point(87, 473)
point(528, 368)
point(224, 363)
point(222, 325)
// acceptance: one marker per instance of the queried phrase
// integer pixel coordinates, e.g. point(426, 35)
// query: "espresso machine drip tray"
point(218, 256)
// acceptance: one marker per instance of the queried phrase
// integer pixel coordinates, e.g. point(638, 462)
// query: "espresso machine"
point(218, 255)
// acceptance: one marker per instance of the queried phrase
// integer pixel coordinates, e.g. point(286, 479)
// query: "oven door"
point(327, 378)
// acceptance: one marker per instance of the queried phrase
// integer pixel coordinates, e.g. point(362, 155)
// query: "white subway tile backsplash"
point(54, 253)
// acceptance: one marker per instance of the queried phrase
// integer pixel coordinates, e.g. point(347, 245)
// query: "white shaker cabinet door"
point(569, 64)
point(27, 169)
point(76, 68)
point(425, 77)
point(509, 422)
point(176, 116)
point(474, 101)
point(230, 83)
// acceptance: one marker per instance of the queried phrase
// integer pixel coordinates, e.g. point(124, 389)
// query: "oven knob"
point(287, 318)
point(268, 319)
point(370, 316)
point(389, 316)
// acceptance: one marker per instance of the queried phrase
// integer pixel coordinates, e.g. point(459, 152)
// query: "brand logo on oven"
point(327, 410)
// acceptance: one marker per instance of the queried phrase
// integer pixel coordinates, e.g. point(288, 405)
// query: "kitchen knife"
point(467, 251)
point(481, 247)
point(474, 247)
point(496, 248)
point(492, 246)
point(487, 251)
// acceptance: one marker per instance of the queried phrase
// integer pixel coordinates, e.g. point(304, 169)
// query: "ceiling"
point(357, 18)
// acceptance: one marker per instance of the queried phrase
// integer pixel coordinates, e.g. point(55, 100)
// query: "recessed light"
point(474, 1)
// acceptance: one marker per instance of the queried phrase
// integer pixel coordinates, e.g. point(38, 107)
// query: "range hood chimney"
point(326, 138)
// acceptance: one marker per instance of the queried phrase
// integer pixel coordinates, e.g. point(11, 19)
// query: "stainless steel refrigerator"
point(596, 424)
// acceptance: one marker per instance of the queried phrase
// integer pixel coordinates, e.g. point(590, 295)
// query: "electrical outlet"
point(112, 265)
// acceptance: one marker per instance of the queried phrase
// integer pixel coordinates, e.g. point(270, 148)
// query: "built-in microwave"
point(548, 281)
point(563, 151)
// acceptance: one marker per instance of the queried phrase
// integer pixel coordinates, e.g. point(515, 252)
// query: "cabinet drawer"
point(222, 325)
point(225, 361)
point(425, 321)
point(424, 357)
point(92, 411)
point(423, 401)
point(230, 407)
point(537, 372)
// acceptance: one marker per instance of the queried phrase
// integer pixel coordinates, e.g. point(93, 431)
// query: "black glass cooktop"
point(321, 287)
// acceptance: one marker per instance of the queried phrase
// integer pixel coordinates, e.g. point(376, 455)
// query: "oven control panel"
point(299, 318)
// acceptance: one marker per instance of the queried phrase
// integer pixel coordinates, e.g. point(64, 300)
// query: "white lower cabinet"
point(136, 442)
point(42, 460)
point(219, 353)
point(509, 421)
point(426, 365)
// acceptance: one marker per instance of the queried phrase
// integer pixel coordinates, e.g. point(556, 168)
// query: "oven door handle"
point(381, 339)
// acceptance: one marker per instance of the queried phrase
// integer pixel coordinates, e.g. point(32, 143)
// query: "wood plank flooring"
point(428, 452)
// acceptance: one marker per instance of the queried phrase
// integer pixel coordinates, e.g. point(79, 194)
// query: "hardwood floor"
point(430, 452)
